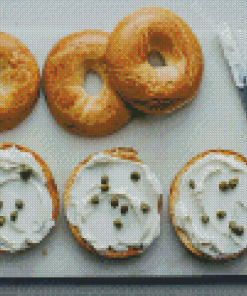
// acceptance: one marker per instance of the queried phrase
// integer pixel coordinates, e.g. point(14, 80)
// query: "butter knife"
point(232, 54)
point(228, 43)
point(245, 92)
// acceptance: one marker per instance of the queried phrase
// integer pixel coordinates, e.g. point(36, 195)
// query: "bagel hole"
point(156, 60)
point(92, 83)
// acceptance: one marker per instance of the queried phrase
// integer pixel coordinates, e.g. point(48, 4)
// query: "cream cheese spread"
point(215, 236)
point(126, 214)
point(25, 203)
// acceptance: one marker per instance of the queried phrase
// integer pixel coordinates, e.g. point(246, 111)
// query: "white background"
point(215, 119)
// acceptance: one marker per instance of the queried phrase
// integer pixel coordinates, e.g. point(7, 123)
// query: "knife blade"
point(245, 92)
point(232, 54)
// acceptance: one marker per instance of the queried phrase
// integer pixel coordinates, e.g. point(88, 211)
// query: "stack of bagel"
point(129, 81)
point(121, 58)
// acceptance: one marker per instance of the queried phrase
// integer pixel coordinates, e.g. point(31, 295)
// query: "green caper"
point(205, 219)
point(114, 202)
point(221, 214)
point(233, 183)
point(13, 216)
point(2, 220)
point(145, 208)
point(104, 180)
point(19, 204)
point(105, 188)
point(232, 224)
point(135, 176)
point(95, 200)
point(118, 224)
point(124, 209)
point(223, 186)
point(192, 184)
point(25, 174)
point(238, 230)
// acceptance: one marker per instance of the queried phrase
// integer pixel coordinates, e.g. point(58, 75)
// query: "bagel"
point(19, 81)
point(63, 80)
point(29, 200)
point(208, 207)
point(124, 212)
point(146, 31)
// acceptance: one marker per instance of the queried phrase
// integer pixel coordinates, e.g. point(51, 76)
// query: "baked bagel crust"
point(160, 90)
point(50, 184)
point(174, 192)
point(19, 81)
point(123, 153)
point(63, 80)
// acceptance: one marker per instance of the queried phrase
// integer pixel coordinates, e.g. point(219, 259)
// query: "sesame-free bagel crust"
point(147, 30)
point(19, 81)
point(63, 81)
point(174, 191)
point(124, 153)
point(50, 182)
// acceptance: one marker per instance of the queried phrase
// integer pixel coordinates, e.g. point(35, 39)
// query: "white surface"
point(215, 119)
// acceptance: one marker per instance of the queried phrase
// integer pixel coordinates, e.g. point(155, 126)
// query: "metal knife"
point(232, 54)
point(245, 92)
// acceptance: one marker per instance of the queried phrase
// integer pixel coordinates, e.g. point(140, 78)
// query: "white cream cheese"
point(96, 221)
point(214, 238)
point(34, 220)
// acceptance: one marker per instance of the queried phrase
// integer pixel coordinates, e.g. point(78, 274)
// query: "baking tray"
point(215, 119)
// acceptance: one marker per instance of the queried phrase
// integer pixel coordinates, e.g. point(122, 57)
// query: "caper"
point(238, 230)
point(223, 186)
point(205, 219)
point(95, 200)
point(135, 176)
point(118, 224)
point(105, 188)
point(114, 202)
point(192, 184)
point(221, 214)
point(124, 209)
point(26, 174)
point(19, 204)
point(233, 183)
point(232, 224)
point(145, 208)
point(104, 180)
point(13, 216)
point(2, 220)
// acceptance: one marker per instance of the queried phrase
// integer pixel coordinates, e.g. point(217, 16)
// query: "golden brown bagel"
point(123, 153)
point(50, 182)
point(174, 197)
point(149, 30)
point(19, 81)
point(63, 78)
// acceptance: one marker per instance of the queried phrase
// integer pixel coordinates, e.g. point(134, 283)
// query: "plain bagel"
point(149, 30)
point(19, 81)
point(112, 204)
point(63, 79)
